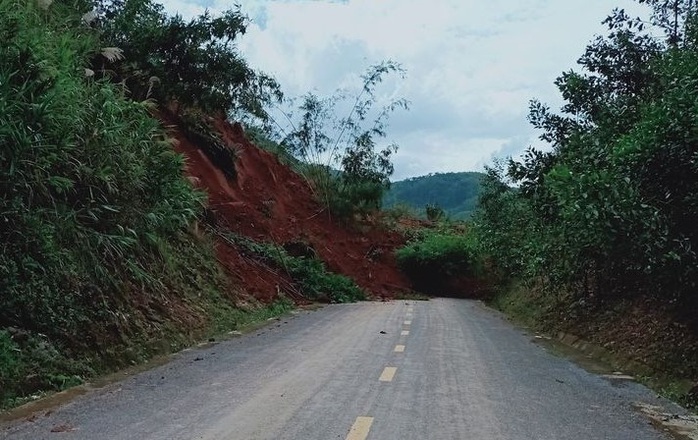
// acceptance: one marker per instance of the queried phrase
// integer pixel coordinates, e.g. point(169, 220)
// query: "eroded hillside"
point(266, 201)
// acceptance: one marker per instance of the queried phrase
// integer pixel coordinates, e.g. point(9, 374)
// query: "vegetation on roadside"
point(606, 219)
point(307, 271)
point(434, 257)
point(100, 267)
point(101, 264)
point(611, 208)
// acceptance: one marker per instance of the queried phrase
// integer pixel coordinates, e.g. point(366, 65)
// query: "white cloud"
point(472, 65)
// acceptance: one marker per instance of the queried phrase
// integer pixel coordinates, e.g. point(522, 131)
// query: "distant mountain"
point(455, 193)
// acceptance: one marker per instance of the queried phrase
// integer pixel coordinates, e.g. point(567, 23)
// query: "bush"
point(610, 208)
point(437, 256)
point(308, 272)
point(94, 211)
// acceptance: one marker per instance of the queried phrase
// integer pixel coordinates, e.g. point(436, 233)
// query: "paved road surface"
point(442, 369)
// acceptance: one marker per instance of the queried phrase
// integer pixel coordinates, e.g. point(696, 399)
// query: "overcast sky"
point(472, 65)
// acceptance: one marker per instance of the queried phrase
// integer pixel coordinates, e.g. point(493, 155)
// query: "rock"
point(63, 428)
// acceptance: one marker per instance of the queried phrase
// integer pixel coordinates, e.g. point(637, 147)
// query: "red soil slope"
point(269, 202)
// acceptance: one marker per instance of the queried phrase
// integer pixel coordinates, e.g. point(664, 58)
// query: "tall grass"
point(94, 209)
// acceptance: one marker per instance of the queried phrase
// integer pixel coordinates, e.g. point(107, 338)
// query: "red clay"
point(267, 201)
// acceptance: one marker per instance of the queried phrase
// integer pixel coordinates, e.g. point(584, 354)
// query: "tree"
point(347, 167)
point(194, 63)
point(611, 206)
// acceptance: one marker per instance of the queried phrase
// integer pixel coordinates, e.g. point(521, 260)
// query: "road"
point(439, 369)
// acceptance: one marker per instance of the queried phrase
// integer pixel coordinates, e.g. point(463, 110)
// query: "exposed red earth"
point(269, 202)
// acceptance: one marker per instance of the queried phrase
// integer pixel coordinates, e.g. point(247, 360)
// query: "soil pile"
point(267, 201)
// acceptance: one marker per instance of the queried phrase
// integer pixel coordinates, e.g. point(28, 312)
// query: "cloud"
point(472, 65)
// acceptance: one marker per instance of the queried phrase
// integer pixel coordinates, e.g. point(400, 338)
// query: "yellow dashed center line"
point(388, 374)
point(359, 430)
point(399, 348)
point(404, 333)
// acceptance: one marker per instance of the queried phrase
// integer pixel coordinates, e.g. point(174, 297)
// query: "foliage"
point(200, 130)
point(438, 255)
point(456, 193)
point(611, 208)
point(94, 215)
point(194, 63)
point(505, 225)
point(308, 272)
point(33, 364)
point(349, 170)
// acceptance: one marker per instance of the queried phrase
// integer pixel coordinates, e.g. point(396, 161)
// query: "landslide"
point(104, 262)
point(260, 198)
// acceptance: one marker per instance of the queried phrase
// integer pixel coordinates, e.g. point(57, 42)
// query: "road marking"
point(408, 322)
point(399, 348)
point(388, 374)
point(410, 310)
point(409, 315)
point(404, 333)
point(359, 430)
point(617, 376)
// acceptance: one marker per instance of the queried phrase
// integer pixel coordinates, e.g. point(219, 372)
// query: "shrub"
point(437, 256)
point(193, 62)
point(93, 214)
point(310, 274)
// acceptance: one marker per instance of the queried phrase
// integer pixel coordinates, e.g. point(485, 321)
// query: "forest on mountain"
point(455, 193)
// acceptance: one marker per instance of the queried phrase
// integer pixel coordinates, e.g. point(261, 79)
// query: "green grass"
point(309, 273)
point(226, 318)
point(436, 255)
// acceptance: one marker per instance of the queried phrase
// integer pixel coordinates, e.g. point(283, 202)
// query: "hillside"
point(267, 202)
point(132, 223)
point(455, 193)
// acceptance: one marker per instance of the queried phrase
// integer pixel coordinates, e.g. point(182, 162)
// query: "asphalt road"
point(442, 369)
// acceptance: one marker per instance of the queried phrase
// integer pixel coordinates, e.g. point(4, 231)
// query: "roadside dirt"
point(656, 338)
point(269, 202)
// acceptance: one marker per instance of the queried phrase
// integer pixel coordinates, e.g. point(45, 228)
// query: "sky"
point(472, 65)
